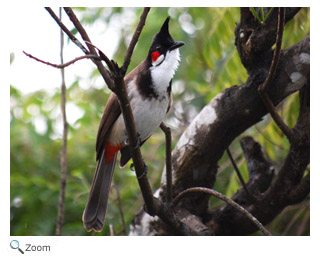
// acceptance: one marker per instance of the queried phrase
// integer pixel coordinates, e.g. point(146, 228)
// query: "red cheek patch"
point(155, 55)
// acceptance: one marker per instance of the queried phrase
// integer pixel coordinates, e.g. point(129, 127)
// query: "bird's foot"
point(145, 169)
point(126, 140)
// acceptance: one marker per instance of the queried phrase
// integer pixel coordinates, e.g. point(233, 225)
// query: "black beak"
point(176, 45)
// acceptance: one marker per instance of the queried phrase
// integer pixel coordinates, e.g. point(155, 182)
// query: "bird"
point(149, 92)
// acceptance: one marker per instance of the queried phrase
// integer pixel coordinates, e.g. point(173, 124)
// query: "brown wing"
point(110, 115)
point(112, 112)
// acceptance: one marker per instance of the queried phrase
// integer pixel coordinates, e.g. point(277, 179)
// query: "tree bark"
point(196, 155)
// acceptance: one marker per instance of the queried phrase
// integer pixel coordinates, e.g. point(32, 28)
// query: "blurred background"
point(209, 64)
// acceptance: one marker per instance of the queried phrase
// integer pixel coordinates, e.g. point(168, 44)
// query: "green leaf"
point(255, 14)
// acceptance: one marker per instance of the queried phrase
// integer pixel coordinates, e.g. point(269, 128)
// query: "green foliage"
point(261, 17)
point(209, 65)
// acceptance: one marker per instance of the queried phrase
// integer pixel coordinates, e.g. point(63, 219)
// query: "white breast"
point(163, 73)
point(148, 114)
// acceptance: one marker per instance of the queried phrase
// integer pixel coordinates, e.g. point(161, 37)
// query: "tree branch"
point(103, 71)
point(235, 167)
point(121, 92)
point(68, 32)
point(116, 84)
point(103, 57)
point(115, 81)
point(263, 89)
point(288, 188)
point(63, 156)
point(63, 65)
point(167, 133)
point(225, 199)
point(301, 191)
point(260, 170)
point(134, 40)
point(196, 155)
point(120, 209)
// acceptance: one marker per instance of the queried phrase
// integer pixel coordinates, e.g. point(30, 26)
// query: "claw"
point(145, 170)
point(126, 140)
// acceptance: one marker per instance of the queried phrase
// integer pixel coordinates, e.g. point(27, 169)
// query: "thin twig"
point(167, 133)
point(225, 199)
point(263, 89)
point(267, 138)
point(63, 157)
point(120, 209)
point(68, 32)
point(251, 197)
point(277, 51)
point(103, 71)
point(64, 65)
point(79, 27)
point(103, 57)
point(134, 39)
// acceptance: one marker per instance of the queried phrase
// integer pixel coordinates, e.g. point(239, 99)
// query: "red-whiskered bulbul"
point(149, 92)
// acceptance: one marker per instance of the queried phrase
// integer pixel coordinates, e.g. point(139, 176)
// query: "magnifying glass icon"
point(15, 245)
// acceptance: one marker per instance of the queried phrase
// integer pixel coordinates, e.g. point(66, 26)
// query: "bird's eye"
point(155, 55)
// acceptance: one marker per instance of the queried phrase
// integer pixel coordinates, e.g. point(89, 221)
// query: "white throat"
point(164, 72)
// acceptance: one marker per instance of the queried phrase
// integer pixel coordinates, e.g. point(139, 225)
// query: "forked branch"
point(263, 89)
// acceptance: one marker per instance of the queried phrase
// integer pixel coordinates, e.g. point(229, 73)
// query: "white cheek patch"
point(158, 61)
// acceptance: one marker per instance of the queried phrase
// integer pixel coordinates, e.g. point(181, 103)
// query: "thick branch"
point(225, 220)
point(254, 40)
point(230, 113)
point(298, 158)
point(301, 191)
point(227, 200)
point(260, 170)
point(167, 133)
point(227, 116)
point(288, 187)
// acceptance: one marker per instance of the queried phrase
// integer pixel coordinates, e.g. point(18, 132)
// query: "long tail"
point(95, 212)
